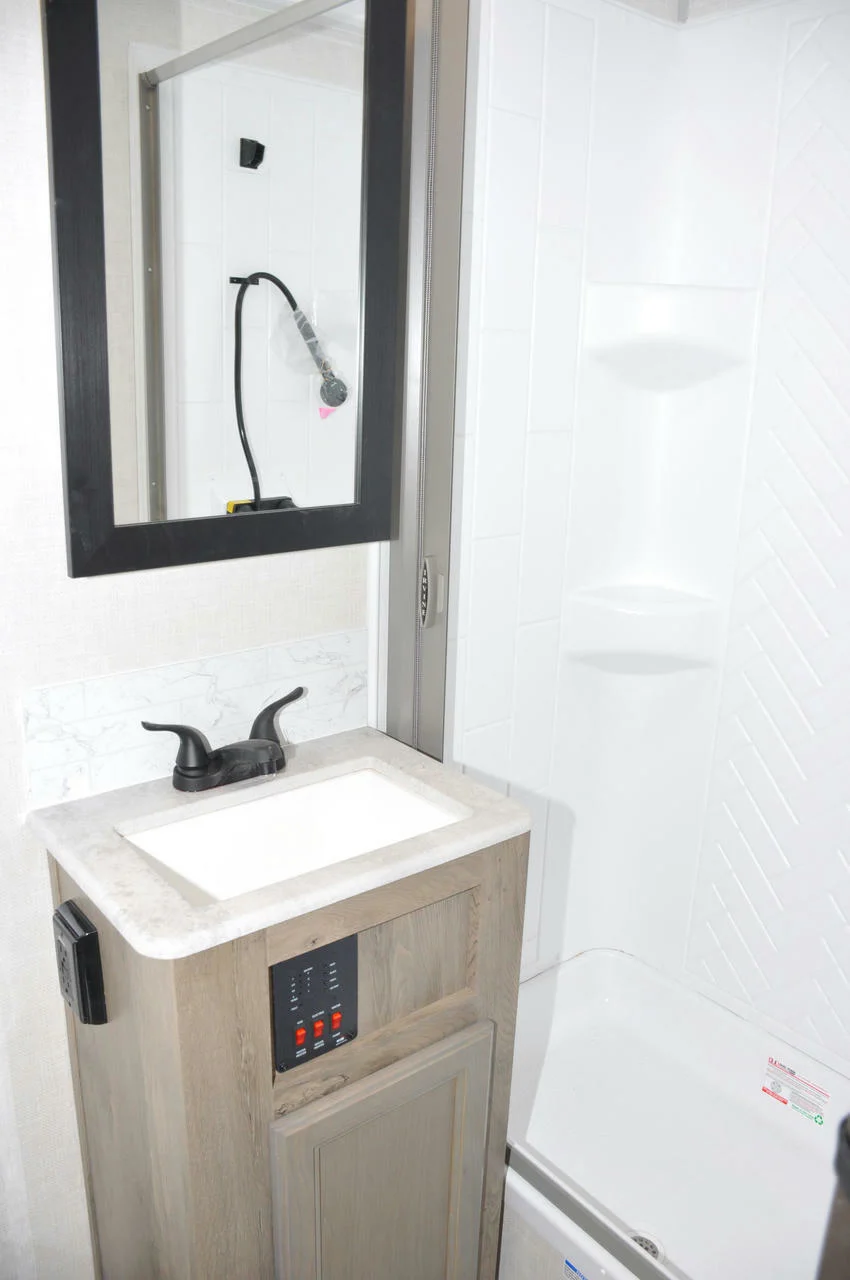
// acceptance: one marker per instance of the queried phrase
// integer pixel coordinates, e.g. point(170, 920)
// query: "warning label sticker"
point(573, 1272)
point(782, 1083)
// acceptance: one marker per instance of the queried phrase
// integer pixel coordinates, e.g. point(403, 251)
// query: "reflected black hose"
point(254, 278)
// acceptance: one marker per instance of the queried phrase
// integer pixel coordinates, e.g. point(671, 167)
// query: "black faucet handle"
point(264, 726)
point(193, 754)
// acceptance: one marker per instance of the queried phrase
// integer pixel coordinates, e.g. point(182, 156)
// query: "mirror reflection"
point(232, 140)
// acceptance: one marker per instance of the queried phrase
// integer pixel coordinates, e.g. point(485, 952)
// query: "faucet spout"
point(265, 725)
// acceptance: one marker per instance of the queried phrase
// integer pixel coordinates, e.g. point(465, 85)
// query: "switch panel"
point(314, 1002)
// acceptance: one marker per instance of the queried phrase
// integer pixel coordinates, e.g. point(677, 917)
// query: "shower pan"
point(651, 619)
point(661, 1134)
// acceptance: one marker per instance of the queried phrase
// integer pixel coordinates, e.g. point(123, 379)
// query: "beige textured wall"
point(52, 630)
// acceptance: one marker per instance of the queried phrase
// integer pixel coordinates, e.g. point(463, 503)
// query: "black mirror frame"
point(96, 545)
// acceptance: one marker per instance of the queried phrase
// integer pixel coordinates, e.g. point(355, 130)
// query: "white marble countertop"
point(160, 921)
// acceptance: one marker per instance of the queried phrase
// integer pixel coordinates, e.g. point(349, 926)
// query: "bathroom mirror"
point(229, 199)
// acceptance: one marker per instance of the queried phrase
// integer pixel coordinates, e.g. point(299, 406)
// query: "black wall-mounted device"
point(78, 960)
point(314, 1002)
point(251, 153)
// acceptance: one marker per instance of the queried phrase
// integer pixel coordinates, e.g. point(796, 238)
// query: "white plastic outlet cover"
point(266, 839)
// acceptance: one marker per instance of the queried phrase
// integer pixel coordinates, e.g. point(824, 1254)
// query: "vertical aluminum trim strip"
point(152, 265)
point(442, 351)
point(430, 172)
point(405, 550)
point(416, 675)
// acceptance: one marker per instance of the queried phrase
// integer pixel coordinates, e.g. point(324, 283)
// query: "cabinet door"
point(383, 1180)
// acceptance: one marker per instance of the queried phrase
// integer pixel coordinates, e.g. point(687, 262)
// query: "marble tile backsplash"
point(85, 737)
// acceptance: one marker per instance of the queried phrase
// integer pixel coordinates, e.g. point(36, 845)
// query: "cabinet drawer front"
point(383, 1180)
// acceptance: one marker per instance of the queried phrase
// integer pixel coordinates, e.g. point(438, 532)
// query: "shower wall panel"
point(531, 137)
point(771, 919)
point(623, 309)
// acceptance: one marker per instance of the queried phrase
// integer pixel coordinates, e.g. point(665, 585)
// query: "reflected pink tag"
point(326, 410)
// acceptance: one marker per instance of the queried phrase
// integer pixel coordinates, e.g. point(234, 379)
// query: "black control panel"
point(314, 1002)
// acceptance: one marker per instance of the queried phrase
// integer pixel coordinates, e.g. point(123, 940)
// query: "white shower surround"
point(651, 632)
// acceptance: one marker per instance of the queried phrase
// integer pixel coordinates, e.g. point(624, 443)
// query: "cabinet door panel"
point(383, 1180)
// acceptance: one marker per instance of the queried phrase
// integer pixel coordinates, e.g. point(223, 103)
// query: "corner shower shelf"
point(642, 628)
point(645, 598)
point(664, 363)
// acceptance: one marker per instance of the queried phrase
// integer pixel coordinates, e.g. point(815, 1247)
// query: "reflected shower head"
point(333, 390)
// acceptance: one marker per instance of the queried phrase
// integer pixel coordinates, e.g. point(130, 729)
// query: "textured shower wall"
point(528, 217)
point(771, 921)
point(624, 307)
point(608, 387)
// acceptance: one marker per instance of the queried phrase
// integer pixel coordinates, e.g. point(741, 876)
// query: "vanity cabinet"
point(385, 1177)
point(382, 1159)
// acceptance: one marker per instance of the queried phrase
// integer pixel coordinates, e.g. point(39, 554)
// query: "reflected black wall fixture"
point(96, 545)
point(251, 153)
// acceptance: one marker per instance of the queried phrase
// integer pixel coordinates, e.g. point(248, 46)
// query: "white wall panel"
point(544, 525)
point(491, 643)
point(688, 217)
point(503, 372)
point(512, 163)
point(528, 217)
point(771, 922)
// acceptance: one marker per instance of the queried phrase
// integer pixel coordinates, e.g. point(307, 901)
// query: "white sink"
point(263, 839)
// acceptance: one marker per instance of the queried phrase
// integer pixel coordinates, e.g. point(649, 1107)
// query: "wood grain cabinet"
point(384, 1179)
point(381, 1160)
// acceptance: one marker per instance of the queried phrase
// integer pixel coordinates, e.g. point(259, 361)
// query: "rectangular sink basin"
point(264, 839)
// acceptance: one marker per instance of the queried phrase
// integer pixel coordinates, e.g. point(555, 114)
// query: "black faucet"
point(199, 768)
